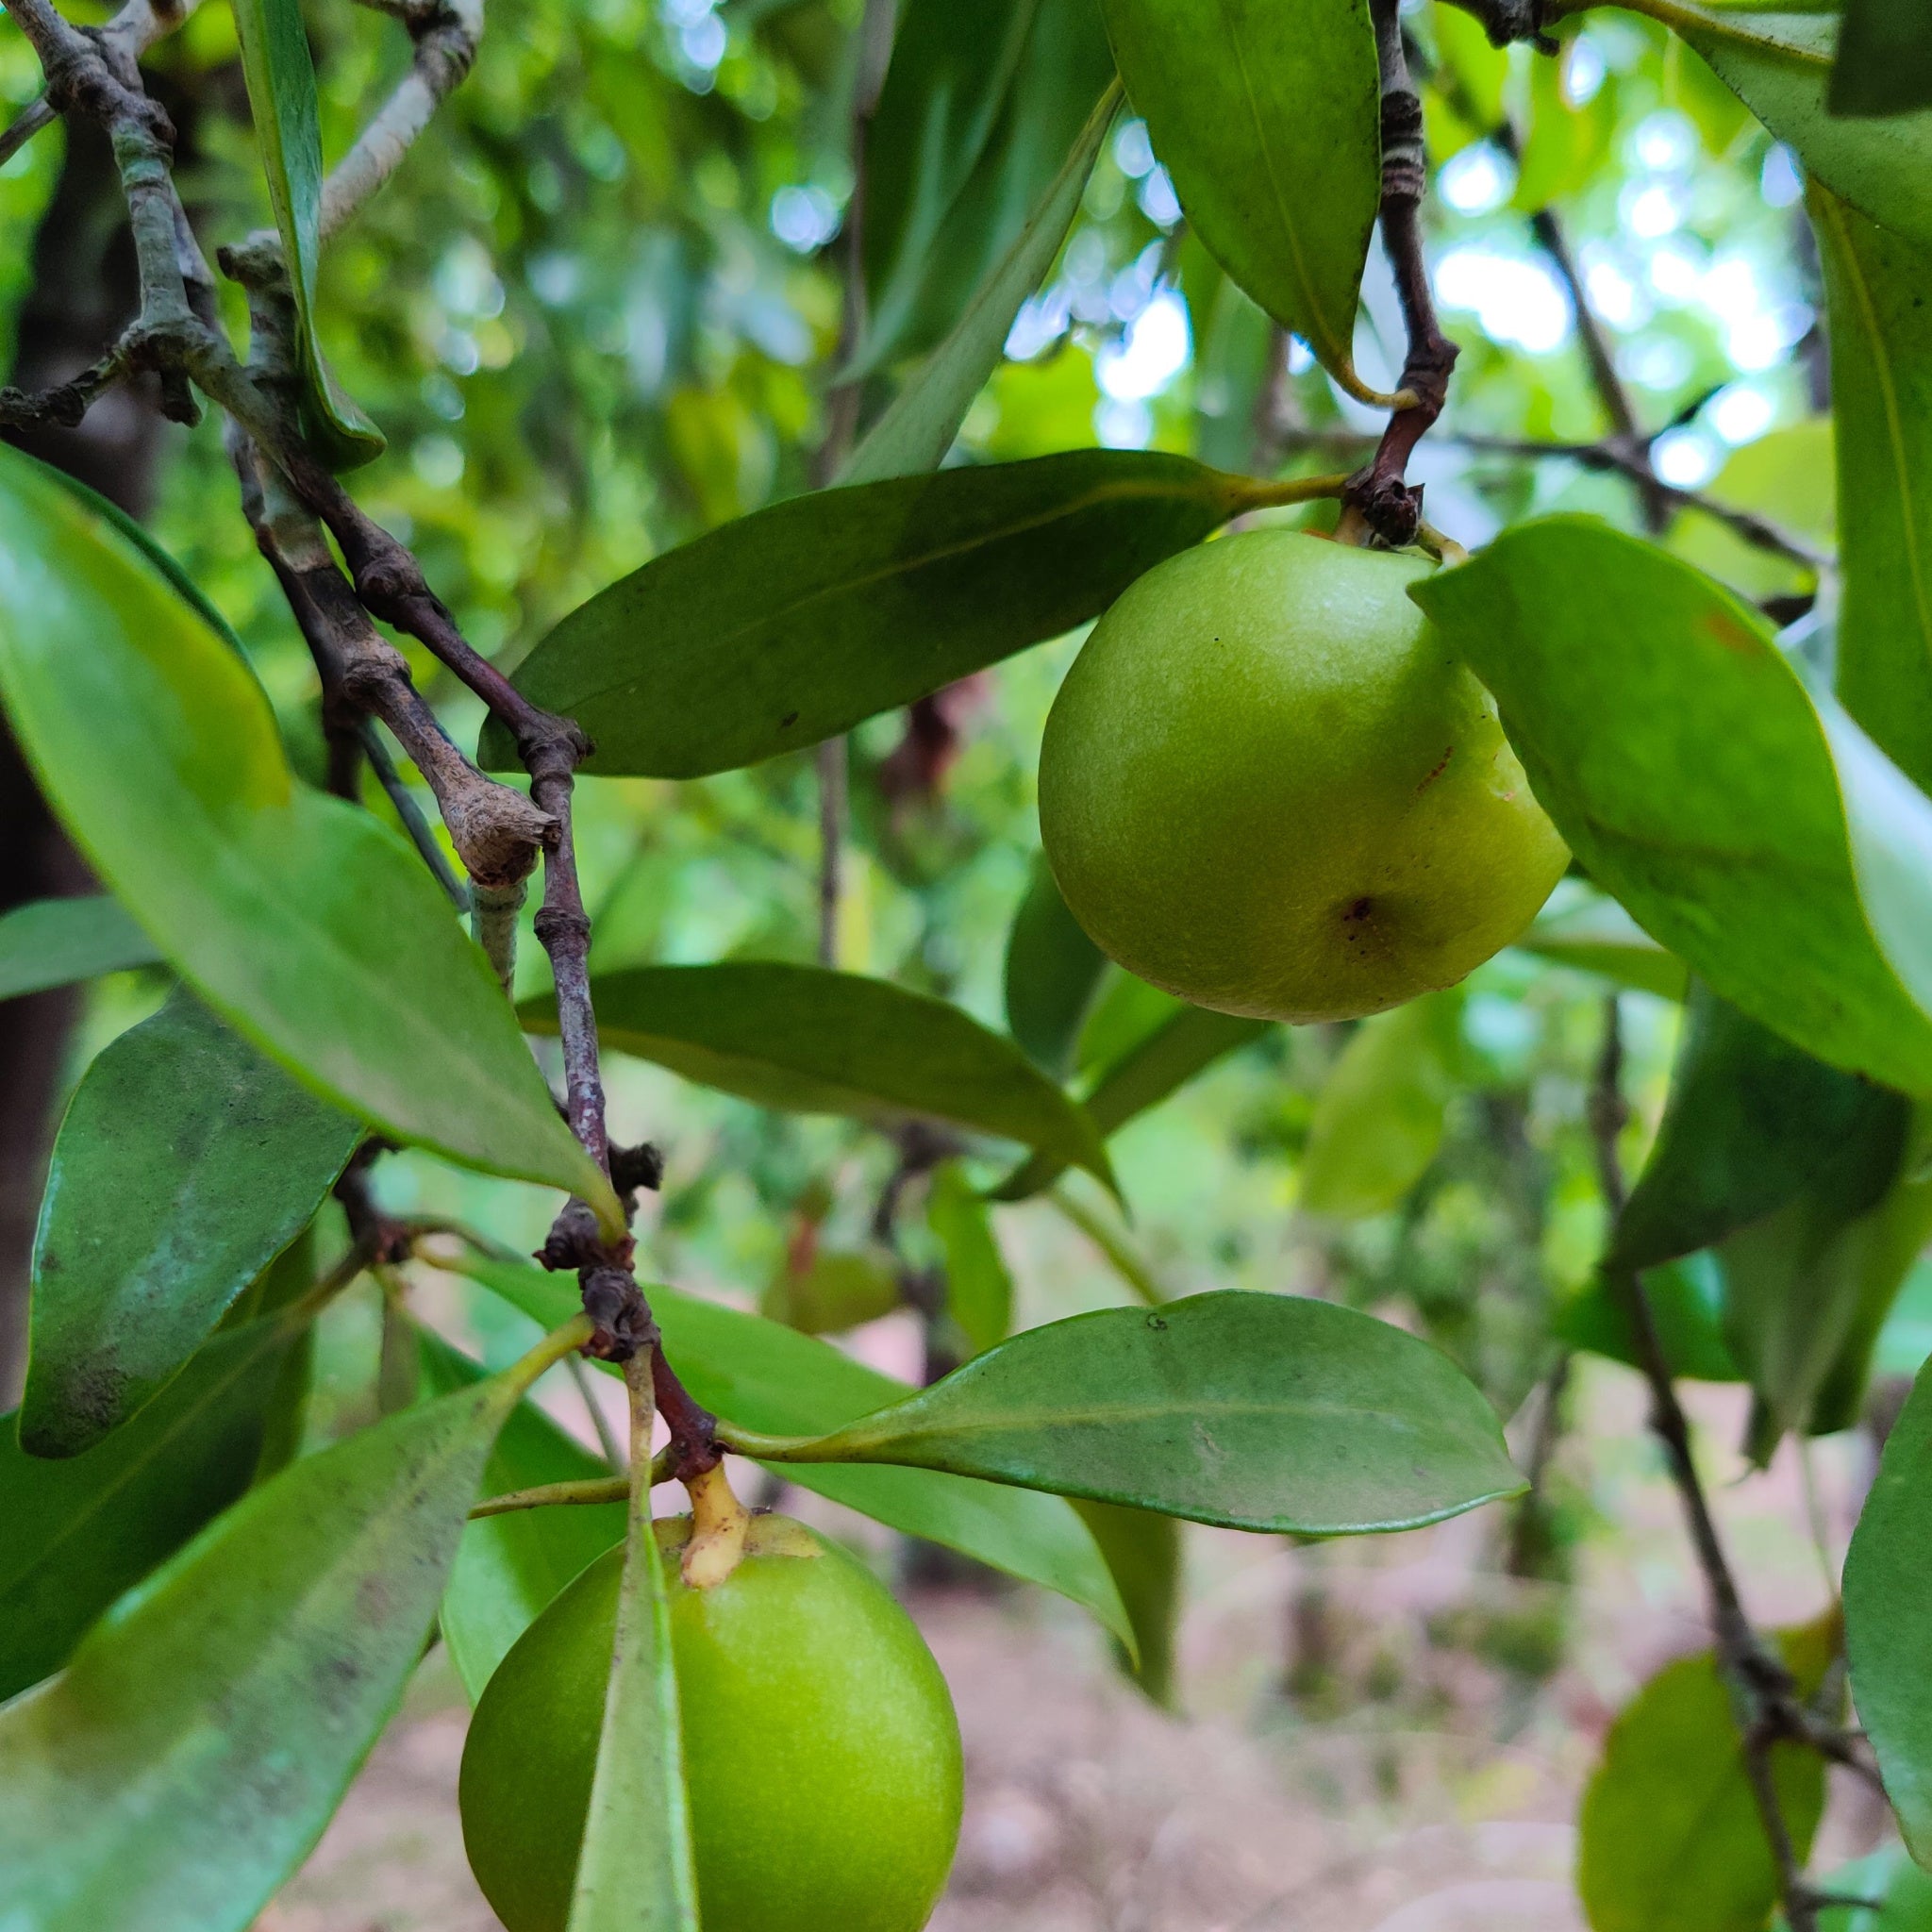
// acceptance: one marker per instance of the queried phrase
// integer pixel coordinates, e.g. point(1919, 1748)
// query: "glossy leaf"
point(510, 1567)
point(1054, 975)
point(1683, 761)
point(1255, 1411)
point(81, 1531)
point(635, 1871)
point(1881, 375)
point(770, 1378)
point(978, 111)
point(1687, 1304)
point(805, 1040)
point(280, 75)
point(56, 941)
point(1889, 1617)
point(1670, 1840)
point(979, 1290)
point(1779, 64)
point(796, 623)
point(1883, 64)
point(213, 1159)
point(1750, 1121)
point(1596, 935)
point(1265, 113)
point(1144, 1552)
point(310, 927)
point(917, 429)
point(190, 1754)
point(1378, 1123)
point(1158, 1066)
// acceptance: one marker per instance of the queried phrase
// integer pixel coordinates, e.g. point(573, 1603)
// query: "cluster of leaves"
point(590, 321)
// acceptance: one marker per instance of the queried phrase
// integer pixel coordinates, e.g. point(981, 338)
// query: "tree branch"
point(1378, 497)
point(446, 37)
point(1768, 1709)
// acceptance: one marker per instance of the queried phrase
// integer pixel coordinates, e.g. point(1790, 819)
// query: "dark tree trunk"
point(82, 294)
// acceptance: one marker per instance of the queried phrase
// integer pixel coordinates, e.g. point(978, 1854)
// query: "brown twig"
point(177, 333)
point(1379, 498)
point(1770, 1711)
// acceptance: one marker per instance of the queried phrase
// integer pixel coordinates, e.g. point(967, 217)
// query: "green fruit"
point(822, 1755)
point(1266, 786)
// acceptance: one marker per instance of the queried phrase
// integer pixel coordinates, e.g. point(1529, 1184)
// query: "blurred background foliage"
point(598, 312)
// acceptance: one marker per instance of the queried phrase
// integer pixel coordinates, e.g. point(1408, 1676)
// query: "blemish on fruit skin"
point(1436, 770)
point(1158, 1322)
point(787, 720)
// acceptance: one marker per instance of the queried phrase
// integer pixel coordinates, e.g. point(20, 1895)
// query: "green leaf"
point(1889, 1617)
point(978, 112)
point(1595, 934)
point(1779, 65)
point(979, 1291)
point(1884, 1247)
point(1156, 1068)
point(1750, 1121)
point(770, 1378)
point(56, 941)
point(185, 1163)
point(794, 623)
point(1796, 1282)
point(1378, 1122)
point(1883, 64)
point(1681, 758)
point(189, 1757)
point(1266, 114)
point(917, 430)
point(1881, 376)
point(280, 75)
point(806, 1040)
point(1145, 1553)
point(1255, 1411)
point(835, 1289)
point(310, 927)
point(1687, 1304)
point(79, 1532)
point(510, 1567)
point(635, 1872)
point(1054, 975)
point(1670, 1840)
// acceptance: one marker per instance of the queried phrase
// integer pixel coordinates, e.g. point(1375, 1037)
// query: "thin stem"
point(590, 1491)
point(493, 914)
point(1119, 1256)
point(833, 765)
point(606, 1436)
point(414, 823)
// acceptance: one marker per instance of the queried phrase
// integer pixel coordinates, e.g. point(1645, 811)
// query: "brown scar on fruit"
point(1436, 770)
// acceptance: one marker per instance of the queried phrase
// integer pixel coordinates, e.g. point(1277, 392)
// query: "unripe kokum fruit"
point(1268, 785)
point(822, 1755)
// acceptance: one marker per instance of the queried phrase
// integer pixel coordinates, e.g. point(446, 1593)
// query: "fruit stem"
point(603, 1489)
point(719, 1523)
